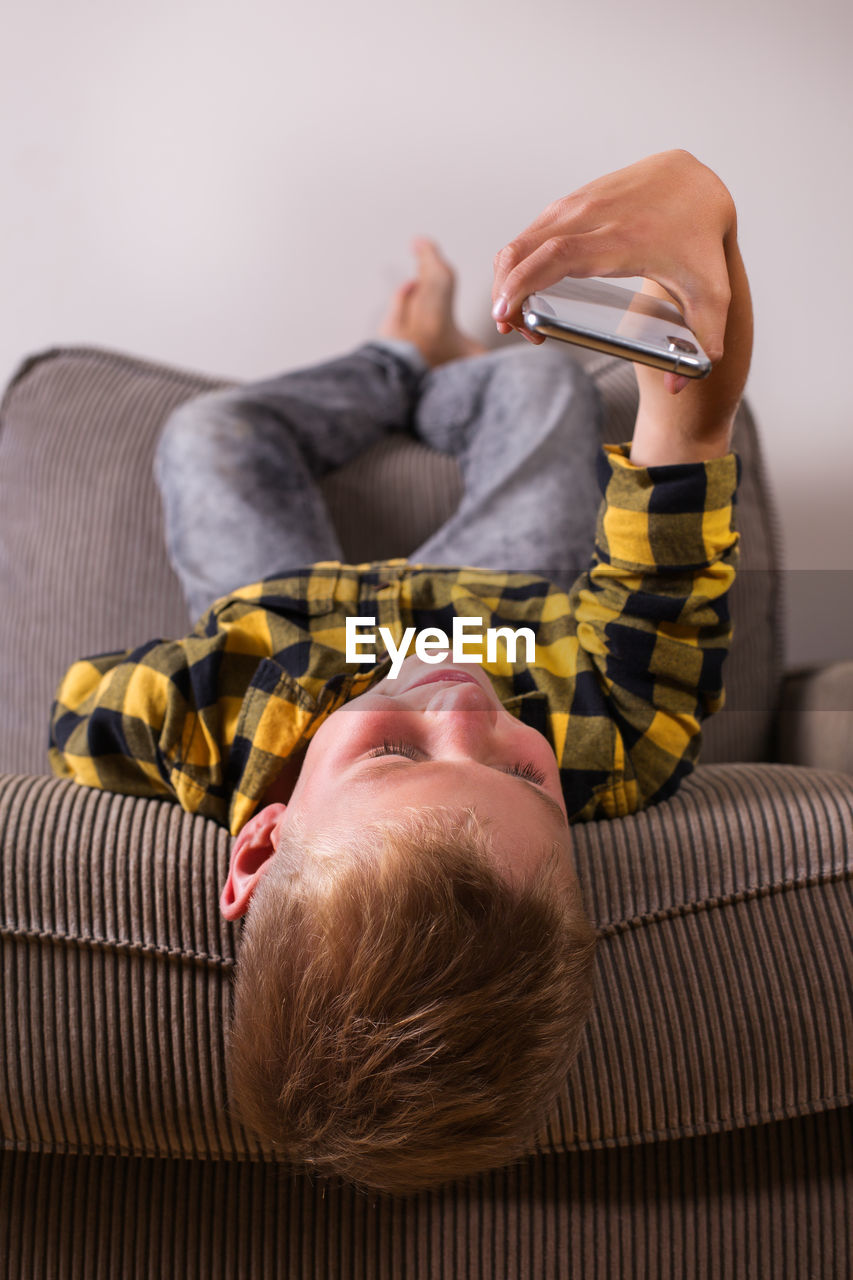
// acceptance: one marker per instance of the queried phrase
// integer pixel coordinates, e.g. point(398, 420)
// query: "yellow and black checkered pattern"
point(628, 662)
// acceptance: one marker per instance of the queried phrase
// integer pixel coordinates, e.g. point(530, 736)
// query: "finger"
point(588, 254)
point(572, 215)
point(508, 258)
point(535, 338)
point(675, 382)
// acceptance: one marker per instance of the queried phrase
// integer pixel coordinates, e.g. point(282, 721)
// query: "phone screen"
point(601, 305)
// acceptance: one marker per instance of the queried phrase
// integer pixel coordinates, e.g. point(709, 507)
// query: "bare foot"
point(422, 310)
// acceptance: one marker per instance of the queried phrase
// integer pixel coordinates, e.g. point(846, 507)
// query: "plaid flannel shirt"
point(628, 662)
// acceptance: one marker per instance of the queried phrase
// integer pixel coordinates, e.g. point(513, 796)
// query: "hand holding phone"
point(666, 218)
point(669, 219)
point(619, 321)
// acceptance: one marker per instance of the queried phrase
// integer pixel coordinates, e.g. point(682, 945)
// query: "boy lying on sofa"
point(416, 966)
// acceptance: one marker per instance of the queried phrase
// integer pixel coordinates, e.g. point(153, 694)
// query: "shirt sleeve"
point(652, 629)
point(161, 720)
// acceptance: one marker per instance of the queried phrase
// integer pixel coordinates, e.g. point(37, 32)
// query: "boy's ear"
point(251, 853)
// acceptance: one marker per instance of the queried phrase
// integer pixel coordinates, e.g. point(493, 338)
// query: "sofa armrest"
point(815, 723)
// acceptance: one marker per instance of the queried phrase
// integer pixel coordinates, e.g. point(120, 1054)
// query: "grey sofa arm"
point(815, 725)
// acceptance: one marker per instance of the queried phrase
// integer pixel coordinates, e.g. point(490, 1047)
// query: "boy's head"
point(416, 966)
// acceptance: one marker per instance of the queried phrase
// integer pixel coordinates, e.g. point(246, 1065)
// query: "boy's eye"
point(524, 769)
point(528, 770)
point(395, 749)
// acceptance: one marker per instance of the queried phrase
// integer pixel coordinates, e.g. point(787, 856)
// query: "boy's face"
point(435, 735)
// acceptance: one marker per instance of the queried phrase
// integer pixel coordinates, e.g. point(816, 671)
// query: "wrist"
point(696, 423)
point(656, 445)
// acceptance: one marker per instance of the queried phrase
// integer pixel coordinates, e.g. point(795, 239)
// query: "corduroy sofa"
point(706, 1128)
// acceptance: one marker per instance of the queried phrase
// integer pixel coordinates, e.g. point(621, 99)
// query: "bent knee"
point(549, 379)
point(553, 359)
point(201, 424)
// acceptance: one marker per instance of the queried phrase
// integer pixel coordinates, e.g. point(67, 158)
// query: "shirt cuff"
point(674, 517)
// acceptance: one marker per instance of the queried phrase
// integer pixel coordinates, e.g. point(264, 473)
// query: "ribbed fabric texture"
point(723, 972)
point(80, 514)
point(768, 1203)
point(388, 501)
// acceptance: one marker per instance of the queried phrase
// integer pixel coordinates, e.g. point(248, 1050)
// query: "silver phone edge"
point(613, 347)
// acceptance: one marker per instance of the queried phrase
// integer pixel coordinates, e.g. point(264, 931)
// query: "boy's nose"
point(464, 716)
point(455, 699)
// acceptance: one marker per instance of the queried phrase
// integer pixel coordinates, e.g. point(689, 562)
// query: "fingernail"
point(500, 308)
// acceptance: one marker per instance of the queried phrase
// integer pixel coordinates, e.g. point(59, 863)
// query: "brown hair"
point(403, 1014)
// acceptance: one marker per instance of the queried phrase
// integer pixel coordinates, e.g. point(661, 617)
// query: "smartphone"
point(610, 318)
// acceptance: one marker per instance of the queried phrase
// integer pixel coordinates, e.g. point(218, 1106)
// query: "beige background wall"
point(180, 179)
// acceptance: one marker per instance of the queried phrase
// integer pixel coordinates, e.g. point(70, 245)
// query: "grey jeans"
point(238, 469)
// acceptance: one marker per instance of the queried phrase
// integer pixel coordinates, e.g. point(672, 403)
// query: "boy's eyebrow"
point(388, 764)
point(545, 798)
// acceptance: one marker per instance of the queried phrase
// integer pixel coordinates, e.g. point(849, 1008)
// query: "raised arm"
point(651, 614)
point(669, 219)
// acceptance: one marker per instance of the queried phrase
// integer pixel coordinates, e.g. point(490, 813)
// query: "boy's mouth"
point(446, 674)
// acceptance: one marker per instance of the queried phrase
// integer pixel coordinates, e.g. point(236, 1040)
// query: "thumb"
point(705, 305)
point(708, 322)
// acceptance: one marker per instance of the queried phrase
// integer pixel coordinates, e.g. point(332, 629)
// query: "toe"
point(431, 261)
point(395, 317)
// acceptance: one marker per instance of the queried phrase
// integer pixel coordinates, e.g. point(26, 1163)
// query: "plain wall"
point(182, 179)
